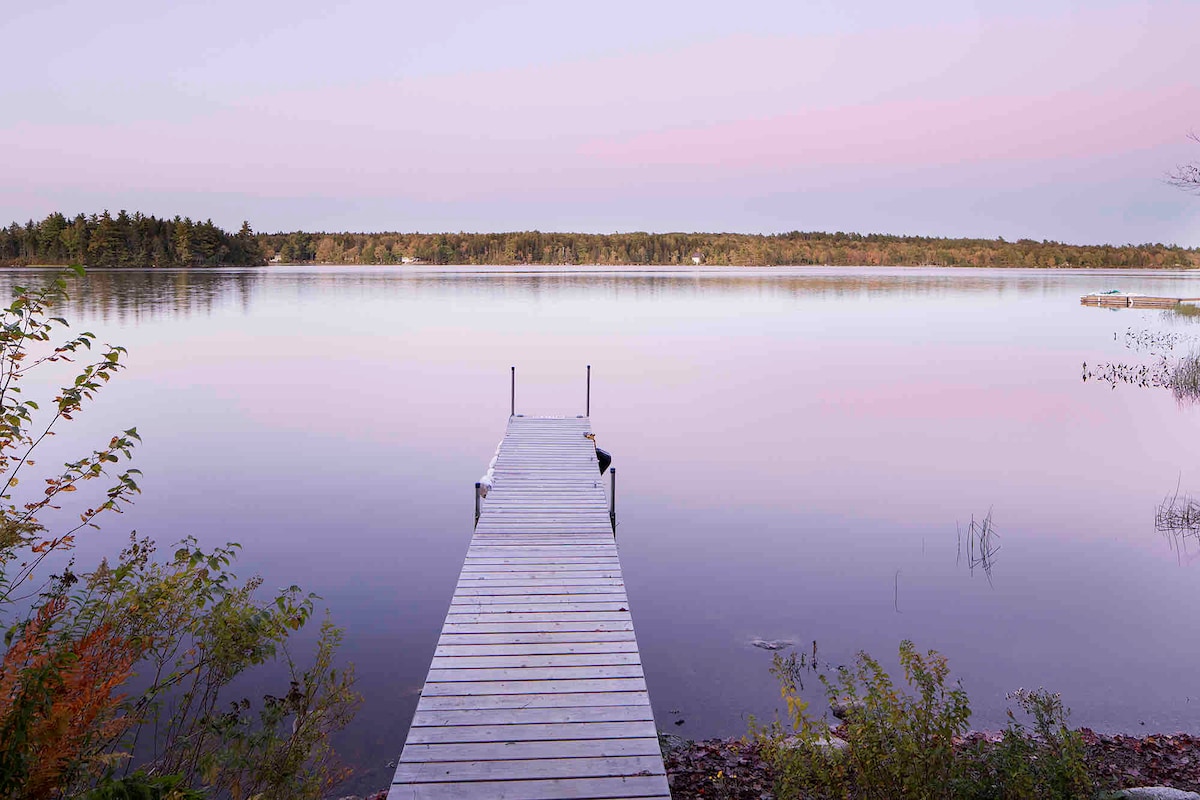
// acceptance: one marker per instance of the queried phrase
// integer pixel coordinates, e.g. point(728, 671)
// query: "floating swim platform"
point(1117, 299)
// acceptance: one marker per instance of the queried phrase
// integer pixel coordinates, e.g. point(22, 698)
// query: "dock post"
point(513, 407)
point(588, 412)
point(612, 499)
point(478, 486)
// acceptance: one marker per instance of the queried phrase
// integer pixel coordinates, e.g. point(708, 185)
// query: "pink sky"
point(1049, 120)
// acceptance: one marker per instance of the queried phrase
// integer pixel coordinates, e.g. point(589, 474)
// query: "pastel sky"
point(1042, 119)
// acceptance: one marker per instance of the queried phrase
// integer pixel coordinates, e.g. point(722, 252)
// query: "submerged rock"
point(772, 644)
point(829, 741)
point(845, 707)
point(670, 743)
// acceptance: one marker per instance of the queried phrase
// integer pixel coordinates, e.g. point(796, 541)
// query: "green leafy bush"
point(1045, 762)
point(900, 743)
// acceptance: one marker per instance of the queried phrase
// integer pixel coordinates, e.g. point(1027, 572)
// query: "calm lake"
point(797, 451)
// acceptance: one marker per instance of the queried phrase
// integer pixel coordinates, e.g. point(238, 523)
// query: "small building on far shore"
point(697, 257)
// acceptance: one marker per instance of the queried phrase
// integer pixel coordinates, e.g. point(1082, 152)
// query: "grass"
point(1184, 378)
point(1188, 310)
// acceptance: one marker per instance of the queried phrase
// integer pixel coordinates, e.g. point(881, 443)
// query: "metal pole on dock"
point(478, 486)
point(513, 412)
point(612, 498)
point(588, 413)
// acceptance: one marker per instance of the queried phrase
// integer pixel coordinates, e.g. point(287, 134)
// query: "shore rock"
point(1151, 793)
point(844, 707)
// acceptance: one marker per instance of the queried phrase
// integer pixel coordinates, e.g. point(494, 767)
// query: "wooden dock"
point(1131, 300)
point(536, 690)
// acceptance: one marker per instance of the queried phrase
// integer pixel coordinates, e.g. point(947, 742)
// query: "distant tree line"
point(681, 249)
point(127, 241)
point(146, 241)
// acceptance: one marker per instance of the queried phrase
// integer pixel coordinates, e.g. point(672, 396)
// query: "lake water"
point(796, 452)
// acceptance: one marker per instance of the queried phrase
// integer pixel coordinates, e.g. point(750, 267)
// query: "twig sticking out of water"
point(1178, 519)
point(982, 545)
point(792, 667)
point(1178, 515)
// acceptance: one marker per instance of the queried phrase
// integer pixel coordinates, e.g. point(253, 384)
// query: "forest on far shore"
point(146, 241)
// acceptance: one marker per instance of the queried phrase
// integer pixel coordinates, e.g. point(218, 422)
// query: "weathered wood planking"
point(1122, 299)
point(536, 689)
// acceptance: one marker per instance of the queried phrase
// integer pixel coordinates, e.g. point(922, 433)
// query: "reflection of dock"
point(1132, 300)
point(536, 689)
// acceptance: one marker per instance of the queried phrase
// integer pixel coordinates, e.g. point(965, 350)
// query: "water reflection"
point(787, 443)
point(128, 294)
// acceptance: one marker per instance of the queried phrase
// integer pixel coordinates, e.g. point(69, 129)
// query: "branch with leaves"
point(27, 331)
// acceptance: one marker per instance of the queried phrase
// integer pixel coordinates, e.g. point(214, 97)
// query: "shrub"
point(1047, 762)
point(909, 745)
point(186, 623)
point(897, 745)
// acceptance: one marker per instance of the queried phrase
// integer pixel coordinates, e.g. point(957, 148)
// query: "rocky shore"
point(733, 769)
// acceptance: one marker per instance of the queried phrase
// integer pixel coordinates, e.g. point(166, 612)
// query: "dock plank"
point(540, 732)
point(568, 700)
point(647, 787)
point(499, 751)
point(536, 689)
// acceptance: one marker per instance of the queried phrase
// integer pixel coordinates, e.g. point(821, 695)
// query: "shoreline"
point(733, 768)
point(681, 269)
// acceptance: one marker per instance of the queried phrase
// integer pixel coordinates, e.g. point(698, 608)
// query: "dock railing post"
point(588, 412)
point(513, 407)
point(612, 499)
point(478, 486)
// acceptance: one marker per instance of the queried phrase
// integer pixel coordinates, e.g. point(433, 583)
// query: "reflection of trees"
point(767, 283)
point(122, 295)
point(132, 294)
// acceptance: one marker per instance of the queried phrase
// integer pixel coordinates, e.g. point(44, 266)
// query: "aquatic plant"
point(1178, 518)
point(1154, 341)
point(1184, 378)
point(1179, 374)
point(982, 545)
point(1187, 311)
